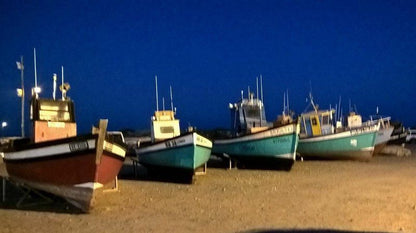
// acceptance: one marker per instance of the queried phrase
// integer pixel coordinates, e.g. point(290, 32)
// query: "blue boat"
point(170, 150)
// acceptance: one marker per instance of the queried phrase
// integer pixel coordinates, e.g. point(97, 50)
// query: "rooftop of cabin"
point(166, 115)
point(319, 112)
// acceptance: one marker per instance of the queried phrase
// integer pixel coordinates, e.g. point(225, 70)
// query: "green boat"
point(320, 138)
point(276, 144)
point(169, 150)
point(254, 140)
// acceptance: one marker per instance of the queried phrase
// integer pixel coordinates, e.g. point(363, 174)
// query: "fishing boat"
point(398, 137)
point(256, 141)
point(384, 133)
point(57, 160)
point(169, 150)
point(320, 138)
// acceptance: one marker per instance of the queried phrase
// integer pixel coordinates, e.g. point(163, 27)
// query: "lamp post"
point(21, 93)
point(3, 125)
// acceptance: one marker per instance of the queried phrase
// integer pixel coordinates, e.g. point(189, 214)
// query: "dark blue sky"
point(209, 51)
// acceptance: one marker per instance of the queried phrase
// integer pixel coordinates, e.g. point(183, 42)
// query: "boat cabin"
point(248, 116)
point(354, 120)
point(164, 126)
point(316, 123)
point(52, 119)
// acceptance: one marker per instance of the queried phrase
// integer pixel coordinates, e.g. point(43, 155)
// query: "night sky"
point(208, 51)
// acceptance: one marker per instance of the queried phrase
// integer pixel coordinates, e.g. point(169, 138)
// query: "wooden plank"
point(100, 141)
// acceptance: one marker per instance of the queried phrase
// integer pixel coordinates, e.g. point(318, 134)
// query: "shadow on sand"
point(132, 171)
point(18, 198)
point(307, 231)
point(139, 172)
point(263, 164)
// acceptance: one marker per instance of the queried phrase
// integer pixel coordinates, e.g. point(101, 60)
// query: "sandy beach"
point(317, 196)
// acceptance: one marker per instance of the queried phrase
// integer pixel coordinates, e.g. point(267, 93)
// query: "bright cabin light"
point(3, 124)
point(36, 90)
point(19, 92)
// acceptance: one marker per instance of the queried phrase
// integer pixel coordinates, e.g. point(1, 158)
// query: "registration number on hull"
point(78, 146)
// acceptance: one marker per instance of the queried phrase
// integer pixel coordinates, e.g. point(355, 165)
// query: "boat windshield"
point(53, 110)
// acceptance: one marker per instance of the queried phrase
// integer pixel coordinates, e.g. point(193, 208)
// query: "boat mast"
point(157, 98)
point(284, 103)
point(171, 98)
point(62, 82)
point(54, 86)
point(287, 99)
point(257, 87)
point(313, 103)
point(36, 76)
point(339, 110)
point(349, 105)
point(261, 87)
point(261, 104)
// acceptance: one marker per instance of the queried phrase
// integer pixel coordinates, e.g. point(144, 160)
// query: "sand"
point(329, 196)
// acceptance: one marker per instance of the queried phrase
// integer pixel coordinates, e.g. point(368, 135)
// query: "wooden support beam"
point(100, 141)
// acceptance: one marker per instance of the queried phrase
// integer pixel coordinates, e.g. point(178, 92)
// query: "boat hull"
point(186, 152)
point(357, 144)
point(275, 144)
point(382, 137)
point(397, 139)
point(60, 166)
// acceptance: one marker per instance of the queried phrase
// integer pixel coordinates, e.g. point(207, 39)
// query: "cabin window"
point(325, 120)
point(54, 111)
point(167, 129)
point(253, 112)
point(54, 116)
point(302, 127)
point(314, 122)
point(54, 106)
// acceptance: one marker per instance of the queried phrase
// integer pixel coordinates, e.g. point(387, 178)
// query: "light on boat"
point(36, 90)
point(19, 92)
